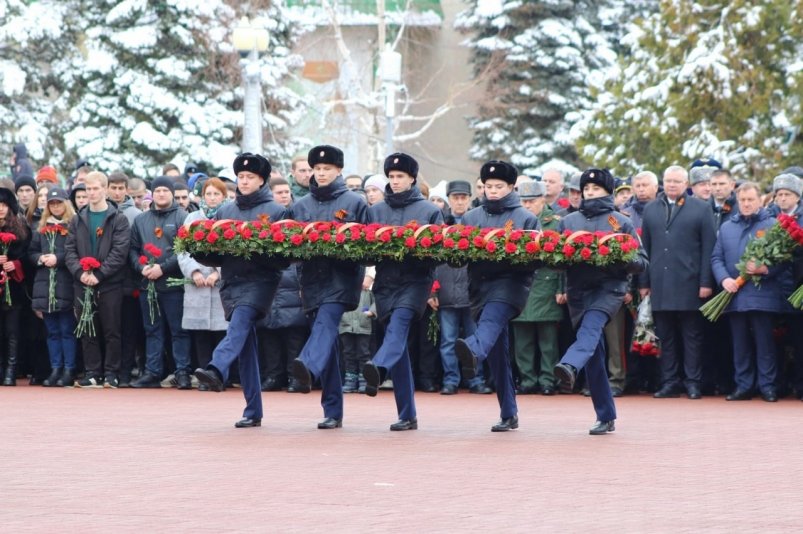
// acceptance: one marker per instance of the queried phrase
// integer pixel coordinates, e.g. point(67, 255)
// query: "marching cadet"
point(328, 287)
point(401, 291)
point(247, 291)
point(497, 292)
point(595, 294)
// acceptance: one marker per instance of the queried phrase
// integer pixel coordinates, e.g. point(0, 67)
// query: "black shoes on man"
point(248, 422)
point(602, 427)
point(505, 424)
point(302, 376)
point(566, 375)
point(405, 424)
point(212, 379)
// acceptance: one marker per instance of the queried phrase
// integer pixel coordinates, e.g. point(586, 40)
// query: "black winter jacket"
point(41, 285)
point(325, 280)
point(286, 310)
point(157, 227)
point(113, 245)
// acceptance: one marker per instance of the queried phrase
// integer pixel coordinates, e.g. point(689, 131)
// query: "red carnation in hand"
point(463, 244)
point(153, 250)
point(511, 248)
point(563, 203)
point(7, 237)
point(436, 286)
point(183, 232)
point(88, 263)
point(143, 260)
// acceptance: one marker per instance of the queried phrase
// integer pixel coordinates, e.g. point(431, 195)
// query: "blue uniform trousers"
point(491, 341)
point(241, 342)
point(753, 344)
point(393, 356)
point(321, 355)
point(589, 352)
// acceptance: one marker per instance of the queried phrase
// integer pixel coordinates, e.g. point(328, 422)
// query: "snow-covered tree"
point(544, 55)
point(133, 84)
point(713, 78)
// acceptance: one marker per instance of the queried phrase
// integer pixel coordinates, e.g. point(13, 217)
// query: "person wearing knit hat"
point(329, 287)
point(401, 290)
point(47, 174)
point(25, 187)
point(374, 187)
point(787, 189)
point(499, 295)
point(700, 181)
point(247, 290)
point(595, 296)
point(163, 181)
point(437, 195)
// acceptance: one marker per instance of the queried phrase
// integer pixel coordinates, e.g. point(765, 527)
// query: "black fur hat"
point(325, 154)
point(8, 198)
point(401, 162)
point(255, 163)
point(499, 170)
point(601, 177)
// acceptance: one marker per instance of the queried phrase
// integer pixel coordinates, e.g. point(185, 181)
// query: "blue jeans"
point(589, 352)
point(321, 355)
point(394, 357)
point(171, 310)
point(452, 319)
point(61, 342)
point(241, 342)
point(491, 341)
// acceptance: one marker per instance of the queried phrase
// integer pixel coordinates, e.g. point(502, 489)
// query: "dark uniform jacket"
point(724, 212)
point(492, 281)
point(286, 310)
point(403, 285)
point(158, 227)
point(326, 280)
point(679, 249)
point(41, 285)
point(250, 282)
point(113, 244)
point(597, 288)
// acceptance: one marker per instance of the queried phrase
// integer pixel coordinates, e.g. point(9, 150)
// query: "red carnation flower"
point(229, 234)
point(448, 243)
point(246, 233)
point(479, 242)
point(585, 253)
point(313, 237)
point(409, 242)
point(603, 250)
point(297, 239)
point(568, 250)
point(183, 232)
point(88, 263)
point(340, 239)
point(463, 244)
point(278, 237)
point(327, 237)
point(212, 237)
point(198, 235)
point(426, 242)
point(511, 248)
point(143, 260)
point(263, 234)
point(385, 237)
point(563, 202)
point(490, 247)
point(516, 235)
point(532, 247)
point(152, 249)
point(549, 247)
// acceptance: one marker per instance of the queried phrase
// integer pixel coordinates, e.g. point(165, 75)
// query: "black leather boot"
point(51, 380)
point(67, 380)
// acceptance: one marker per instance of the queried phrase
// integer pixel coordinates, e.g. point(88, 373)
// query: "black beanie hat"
point(601, 177)
point(401, 162)
point(8, 198)
point(163, 181)
point(499, 170)
point(24, 180)
point(325, 154)
point(255, 163)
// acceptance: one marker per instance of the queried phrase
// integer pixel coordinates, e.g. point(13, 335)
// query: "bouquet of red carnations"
point(645, 341)
point(6, 238)
point(768, 248)
point(153, 303)
point(86, 325)
point(50, 232)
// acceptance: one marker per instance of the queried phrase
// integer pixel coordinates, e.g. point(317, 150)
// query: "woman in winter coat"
point(58, 314)
point(595, 295)
point(203, 311)
point(752, 309)
point(498, 292)
point(12, 271)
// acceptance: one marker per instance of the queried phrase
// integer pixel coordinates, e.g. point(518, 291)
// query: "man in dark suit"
point(678, 234)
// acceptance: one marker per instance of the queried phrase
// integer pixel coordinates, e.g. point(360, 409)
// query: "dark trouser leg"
point(110, 309)
point(321, 355)
point(766, 360)
point(131, 335)
point(271, 352)
point(597, 378)
point(691, 325)
point(348, 347)
point(796, 333)
point(743, 351)
point(666, 328)
point(493, 320)
point(499, 360)
point(229, 349)
point(154, 337)
point(615, 341)
point(205, 343)
point(429, 357)
point(249, 375)
point(172, 310)
point(393, 356)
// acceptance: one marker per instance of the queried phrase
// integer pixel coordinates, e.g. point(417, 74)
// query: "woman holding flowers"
point(498, 292)
point(752, 308)
point(595, 294)
point(53, 287)
point(14, 238)
point(328, 287)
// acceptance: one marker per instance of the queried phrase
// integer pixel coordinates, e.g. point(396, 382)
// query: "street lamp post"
point(391, 63)
point(250, 41)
